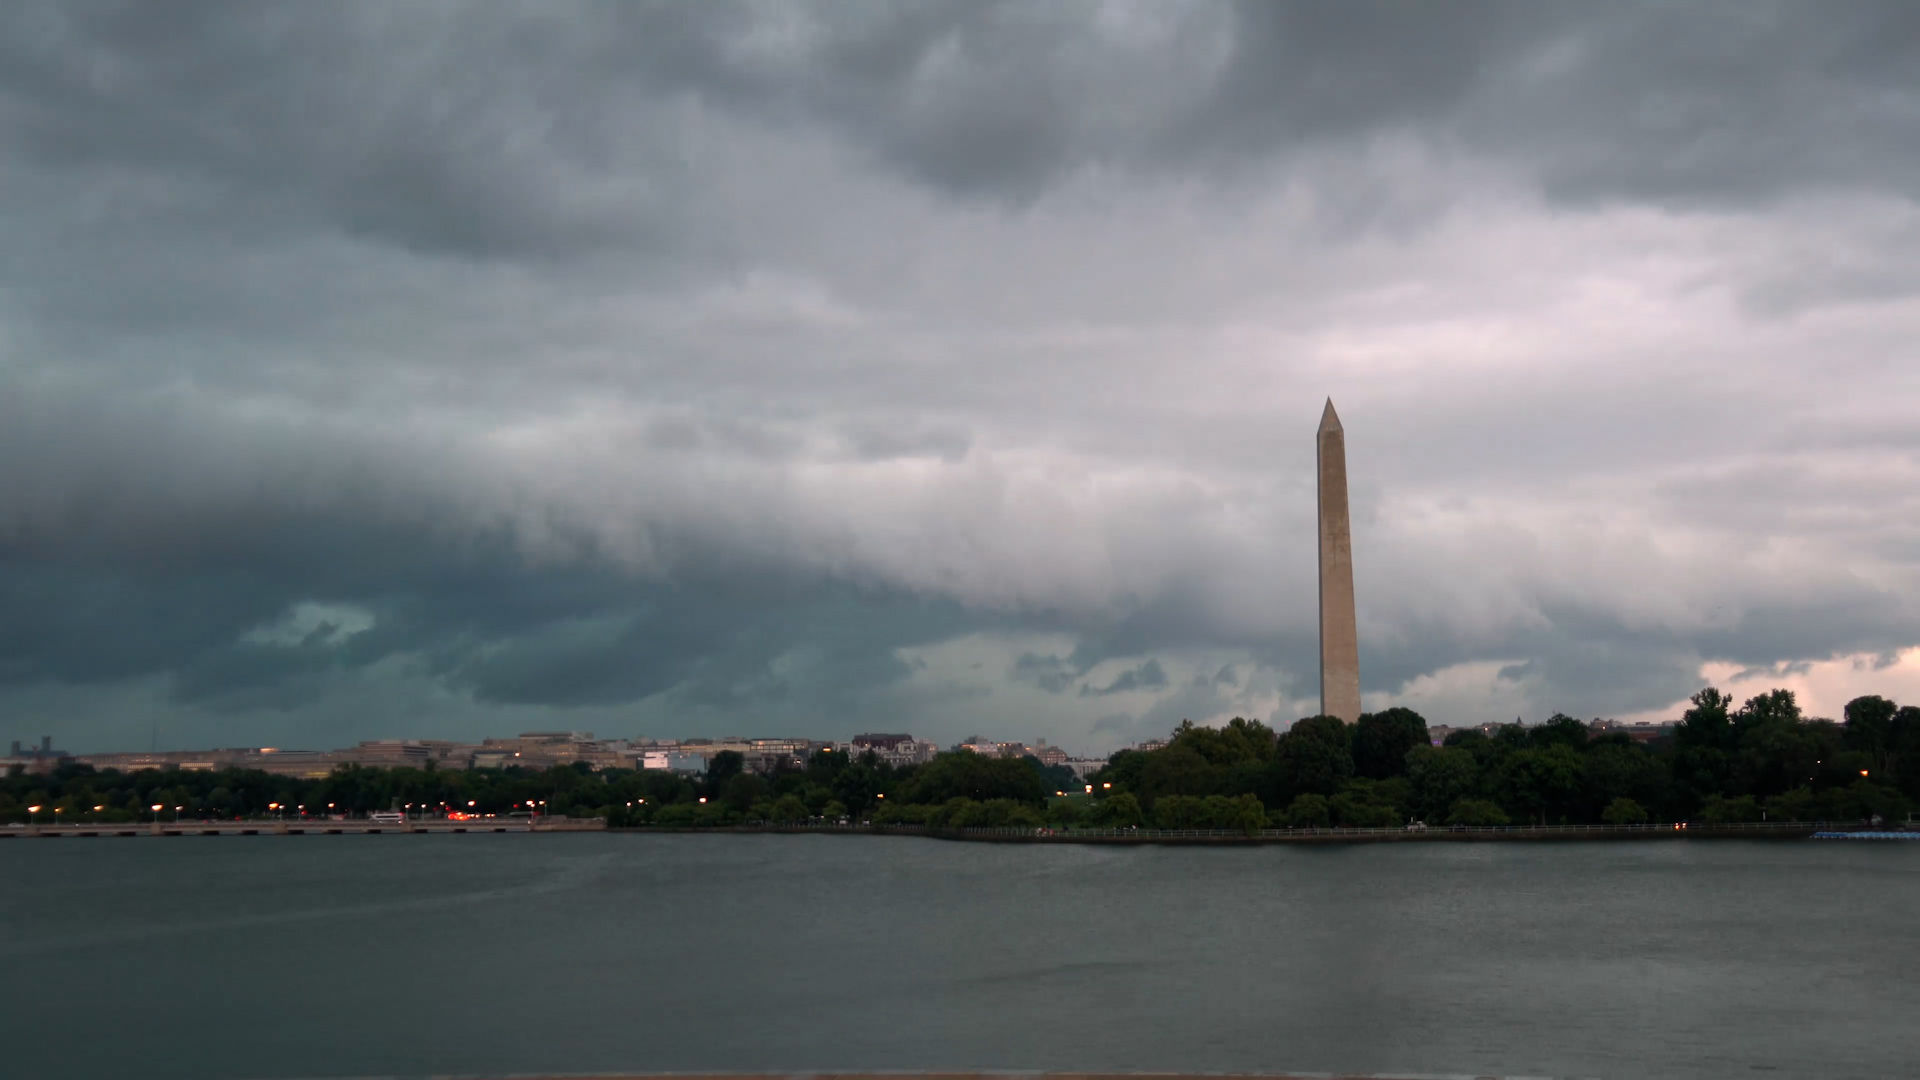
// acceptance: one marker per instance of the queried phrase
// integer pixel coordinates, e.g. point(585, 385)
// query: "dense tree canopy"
point(1724, 762)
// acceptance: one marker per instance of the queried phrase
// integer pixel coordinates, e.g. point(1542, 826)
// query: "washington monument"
point(1339, 635)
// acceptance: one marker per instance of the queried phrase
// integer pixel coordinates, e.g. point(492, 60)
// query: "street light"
point(156, 813)
point(33, 813)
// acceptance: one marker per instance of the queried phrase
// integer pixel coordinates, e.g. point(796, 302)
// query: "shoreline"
point(1795, 830)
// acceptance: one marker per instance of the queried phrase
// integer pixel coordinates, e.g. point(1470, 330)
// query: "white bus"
point(387, 817)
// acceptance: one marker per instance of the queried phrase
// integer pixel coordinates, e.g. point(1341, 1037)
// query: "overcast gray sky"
point(449, 370)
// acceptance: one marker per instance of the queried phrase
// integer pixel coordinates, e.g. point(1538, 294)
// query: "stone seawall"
point(1756, 831)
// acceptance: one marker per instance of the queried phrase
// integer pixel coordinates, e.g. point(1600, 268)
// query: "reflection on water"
point(413, 955)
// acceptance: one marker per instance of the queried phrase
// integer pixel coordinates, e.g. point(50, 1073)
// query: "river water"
point(413, 955)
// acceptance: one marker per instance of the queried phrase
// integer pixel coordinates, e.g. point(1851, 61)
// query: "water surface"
point(412, 955)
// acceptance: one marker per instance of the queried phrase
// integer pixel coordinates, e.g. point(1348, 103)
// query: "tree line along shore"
point(1724, 763)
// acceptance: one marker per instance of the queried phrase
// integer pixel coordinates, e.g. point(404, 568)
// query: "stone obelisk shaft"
point(1339, 633)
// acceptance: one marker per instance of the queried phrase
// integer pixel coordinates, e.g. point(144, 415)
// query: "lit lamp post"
point(156, 813)
point(33, 815)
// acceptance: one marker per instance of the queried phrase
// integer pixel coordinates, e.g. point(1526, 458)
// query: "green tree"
point(725, 765)
point(1176, 770)
point(1123, 771)
point(1180, 812)
point(1241, 740)
point(1624, 812)
point(742, 791)
point(858, 788)
point(1559, 730)
point(1356, 809)
point(1053, 778)
point(1905, 740)
point(1618, 767)
point(1066, 813)
point(678, 815)
point(1540, 782)
point(1440, 776)
point(1243, 813)
point(1870, 729)
point(788, 808)
point(1382, 740)
point(964, 774)
point(1476, 813)
point(1795, 805)
point(1708, 725)
point(1309, 810)
point(1314, 757)
point(1118, 812)
point(1720, 810)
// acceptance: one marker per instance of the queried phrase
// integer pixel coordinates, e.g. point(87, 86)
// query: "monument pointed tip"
point(1330, 420)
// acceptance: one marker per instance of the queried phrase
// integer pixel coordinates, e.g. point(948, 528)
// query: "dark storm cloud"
point(416, 126)
point(540, 131)
point(720, 364)
point(1147, 676)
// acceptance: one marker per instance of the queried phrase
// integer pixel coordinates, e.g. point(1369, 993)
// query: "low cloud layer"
point(449, 369)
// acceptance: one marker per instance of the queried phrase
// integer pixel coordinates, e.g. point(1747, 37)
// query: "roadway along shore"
point(304, 828)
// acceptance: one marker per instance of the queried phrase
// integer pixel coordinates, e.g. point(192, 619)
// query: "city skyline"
point(944, 367)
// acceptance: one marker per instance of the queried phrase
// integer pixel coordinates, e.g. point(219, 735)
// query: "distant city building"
point(43, 758)
point(896, 750)
point(538, 750)
point(1640, 733)
point(392, 754)
point(674, 761)
point(1050, 755)
point(1084, 767)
